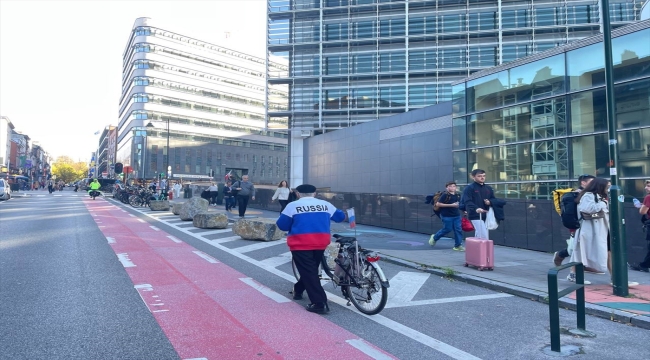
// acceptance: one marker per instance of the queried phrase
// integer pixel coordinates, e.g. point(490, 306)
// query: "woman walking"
point(591, 238)
point(282, 194)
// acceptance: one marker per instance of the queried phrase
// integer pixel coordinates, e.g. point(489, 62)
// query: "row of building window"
point(309, 30)
point(149, 31)
point(163, 67)
point(577, 113)
point(194, 90)
point(145, 47)
point(200, 122)
point(575, 70)
point(181, 103)
point(197, 155)
point(372, 97)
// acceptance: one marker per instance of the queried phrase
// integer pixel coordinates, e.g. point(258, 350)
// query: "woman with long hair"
point(282, 194)
point(591, 238)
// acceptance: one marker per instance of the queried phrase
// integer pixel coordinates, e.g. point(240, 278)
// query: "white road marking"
point(222, 240)
point(174, 239)
point(259, 245)
point(220, 231)
point(445, 300)
point(110, 240)
point(410, 333)
point(265, 291)
point(368, 349)
point(405, 285)
point(124, 259)
point(140, 220)
point(155, 228)
point(205, 256)
point(131, 215)
point(278, 260)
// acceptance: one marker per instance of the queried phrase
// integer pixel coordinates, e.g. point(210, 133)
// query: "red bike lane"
point(209, 310)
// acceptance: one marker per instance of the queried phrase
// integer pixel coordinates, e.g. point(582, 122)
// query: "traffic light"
point(118, 168)
point(160, 176)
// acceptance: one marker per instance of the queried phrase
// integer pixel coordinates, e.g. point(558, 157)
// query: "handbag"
point(571, 244)
point(598, 215)
point(491, 221)
point(466, 225)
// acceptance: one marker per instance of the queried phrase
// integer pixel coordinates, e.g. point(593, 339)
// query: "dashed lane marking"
point(206, 257)
point(368, 349)
point(124, 259)
point(265, 291)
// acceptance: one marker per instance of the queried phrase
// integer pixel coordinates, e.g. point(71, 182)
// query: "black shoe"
point(296, 295)
point(639, 268)
point(321, 308)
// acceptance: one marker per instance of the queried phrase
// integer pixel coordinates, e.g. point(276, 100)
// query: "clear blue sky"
point(61, 61)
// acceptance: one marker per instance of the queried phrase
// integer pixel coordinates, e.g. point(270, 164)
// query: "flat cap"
point(306, 189)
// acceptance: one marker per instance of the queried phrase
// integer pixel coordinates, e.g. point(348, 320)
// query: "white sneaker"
point(572, 277)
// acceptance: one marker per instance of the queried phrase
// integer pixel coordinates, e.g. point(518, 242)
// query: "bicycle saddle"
point(343, 240)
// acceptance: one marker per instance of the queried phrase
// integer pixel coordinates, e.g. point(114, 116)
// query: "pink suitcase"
point(479, 253)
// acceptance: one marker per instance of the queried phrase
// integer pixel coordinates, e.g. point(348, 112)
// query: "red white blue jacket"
point(308, 222)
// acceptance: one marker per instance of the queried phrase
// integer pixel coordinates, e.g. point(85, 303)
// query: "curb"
point(542, 297)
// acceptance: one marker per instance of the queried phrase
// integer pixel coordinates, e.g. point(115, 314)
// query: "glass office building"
point(352, 61)
point(209, 101)
point(539, 122)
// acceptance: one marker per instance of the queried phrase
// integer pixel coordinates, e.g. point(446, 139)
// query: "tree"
point(67, 170)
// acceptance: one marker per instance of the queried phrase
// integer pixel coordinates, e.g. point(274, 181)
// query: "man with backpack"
point(446, 206)
point(569, 214)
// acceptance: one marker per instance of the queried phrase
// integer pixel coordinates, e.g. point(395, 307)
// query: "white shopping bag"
point(491, 221)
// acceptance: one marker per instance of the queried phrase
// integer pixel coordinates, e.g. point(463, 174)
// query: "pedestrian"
point(228, 195)
point(559, 256)
point(645, 211)
point(214, 193)
point(308, 222)
point(282, 194)
point(50, 186)
point(177, 190)
point(449, 203)
point(476, 201)
point(245, 190)
point(153, 186)
point(591, 238)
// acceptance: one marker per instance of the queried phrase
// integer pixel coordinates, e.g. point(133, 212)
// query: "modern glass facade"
point(213, 100)
point(538, 123)
point(353, 61)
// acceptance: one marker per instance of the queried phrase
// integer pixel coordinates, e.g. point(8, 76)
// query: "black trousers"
point(307, 262)
point(646, 262)
point(242, 203)
point(283, 204)
point(213, 197)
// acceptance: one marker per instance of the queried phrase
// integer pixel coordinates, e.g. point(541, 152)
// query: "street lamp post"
point(616, 220)
point(167, 168)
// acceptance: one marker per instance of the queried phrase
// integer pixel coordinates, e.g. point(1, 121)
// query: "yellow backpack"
point(557, 198)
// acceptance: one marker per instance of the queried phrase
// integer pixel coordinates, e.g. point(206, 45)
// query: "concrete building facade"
point(209, 102)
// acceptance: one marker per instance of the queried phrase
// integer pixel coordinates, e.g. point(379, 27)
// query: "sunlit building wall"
point(353, 61)
point(214, 101)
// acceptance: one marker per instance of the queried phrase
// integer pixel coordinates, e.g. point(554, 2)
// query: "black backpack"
point(569, 210)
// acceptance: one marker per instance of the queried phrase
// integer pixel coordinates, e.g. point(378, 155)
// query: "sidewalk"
point(517, 271)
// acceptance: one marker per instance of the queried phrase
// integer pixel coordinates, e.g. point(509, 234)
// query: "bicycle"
point(363, 283)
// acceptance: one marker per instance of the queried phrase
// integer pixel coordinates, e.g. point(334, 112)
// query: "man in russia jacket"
point(308, 222)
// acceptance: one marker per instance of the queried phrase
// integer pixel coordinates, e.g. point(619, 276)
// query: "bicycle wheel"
point(370, 295)
point(135, 201)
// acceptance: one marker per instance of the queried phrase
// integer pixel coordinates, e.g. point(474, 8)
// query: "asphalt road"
point(65, 295)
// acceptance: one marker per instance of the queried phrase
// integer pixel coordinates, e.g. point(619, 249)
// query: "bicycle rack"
point(554, 303)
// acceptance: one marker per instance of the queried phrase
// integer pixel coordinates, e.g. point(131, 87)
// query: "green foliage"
point(67, 170)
